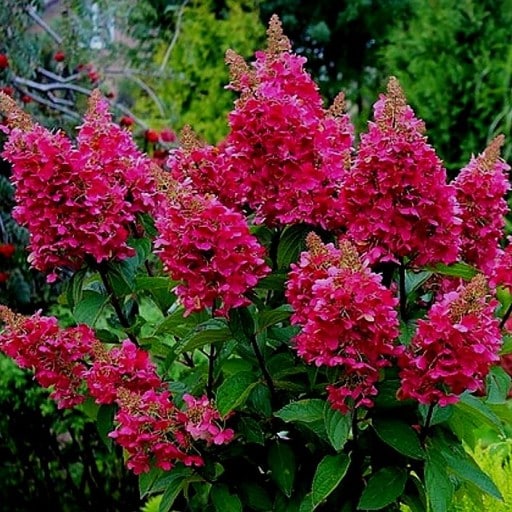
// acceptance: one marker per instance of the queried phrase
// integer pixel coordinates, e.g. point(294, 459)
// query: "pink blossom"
point(453, 347)
point(77, 202)
point(396, 195)
point(56, 356)
point(481, 187)
point(290, 155)
point(209, 249)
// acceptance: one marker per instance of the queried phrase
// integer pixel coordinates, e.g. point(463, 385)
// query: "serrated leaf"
point(462, 270)
point(88, 310)
point(290, 245)
point(306, 411)
point(337, 426)
point(267, 318)
point(498, 386)
point(328, 475)
point(282, 464)
point(174, 487)
point(399, 436)
point(383, 488)
point(307, 504)
point(234, 391)
point(478, 410)
point(223, 500)
point(146, 480)
point(150, 311)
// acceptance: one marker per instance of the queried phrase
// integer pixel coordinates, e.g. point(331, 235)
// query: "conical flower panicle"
point(348, 320)
point(289, 153)
point(78, 202)
point(453, 348)
point(396, 195)
point(209, 249)
point(481, 187)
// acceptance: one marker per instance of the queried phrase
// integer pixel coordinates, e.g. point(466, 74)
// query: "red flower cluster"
point(396, 195)
point(208, 247)
point(77, 202)
point(481, 187)
point(288, 153)
point(350, 320)
point(453, 347)
point(55, 356)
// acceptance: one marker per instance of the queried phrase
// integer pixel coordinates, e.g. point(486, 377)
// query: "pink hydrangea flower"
point(77, 202)
point(149, 429)
point(126, 366)
point(350, 320)
point(453, 348)
point(202, 421)
point(481, 187)
point(208, 247)
point(396, 195)
point(56, 356)
point(501, 274)
point(289, 153)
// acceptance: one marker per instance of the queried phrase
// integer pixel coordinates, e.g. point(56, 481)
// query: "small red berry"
point(26, 98)
point(4, 276)
point(7, 250)
point(59, 56)
point(7, 90)
point(126, 121)
point(167, 135)
point(4, 61)
point(152, 136)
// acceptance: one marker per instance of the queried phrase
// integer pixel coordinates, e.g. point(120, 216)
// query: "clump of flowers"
point(481, 187)
point(56, 356)
point(126, 366)
point(289, 153)
point(350, 321)
point(453, 348)
point(77, 202)
point(208, 247)
point(396, 195)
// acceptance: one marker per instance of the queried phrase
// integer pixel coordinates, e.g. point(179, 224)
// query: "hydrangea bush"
point(284, 321)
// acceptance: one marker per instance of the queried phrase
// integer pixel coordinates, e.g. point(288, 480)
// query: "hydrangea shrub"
point(284, 321)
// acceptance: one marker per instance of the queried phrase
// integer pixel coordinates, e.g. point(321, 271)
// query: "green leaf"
point(282, 464)
point(261, 400)
point(105, 423)
point(329, 473)
point(267, 318)
point(273, 282)
point(337, 426)
point(438, 485)
point(88, 310)
point(383, 488)
point(146, 480)
point(223, 500)
point(440, 414)
point(291, 244)
point(414, 280)
point(307, 503)
point(74, 288)
point(478, 411)
point(400, 436)
point(150, 311)
point(234, 391)
point(159, 288)
point(256, 497)
point(506, 348)
point(460, 269)
point(205, 337)
point(251, 430)
point(175, 485)
point(307, 411)
point(498, 386)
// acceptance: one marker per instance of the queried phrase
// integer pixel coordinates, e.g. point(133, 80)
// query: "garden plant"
point(285, 321)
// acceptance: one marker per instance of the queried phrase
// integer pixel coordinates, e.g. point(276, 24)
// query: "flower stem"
point(506, 316)
point(428, 419)
point(211, 368)
point(261, 362)
point(115, 303)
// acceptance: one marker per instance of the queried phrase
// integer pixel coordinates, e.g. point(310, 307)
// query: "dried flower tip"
point(16, 117)
point(240, 74)
point(315, 245)
point(164, 182)
point(349, 256)
point(338, 106)
point(491, 154)
point(395, 103)
point(277, 41)
point(189, 139)
point(470, 300)
point(12, 320)
point(128, 399)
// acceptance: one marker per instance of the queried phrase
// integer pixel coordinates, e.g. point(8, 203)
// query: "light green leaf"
point(205, 337)
point(438, 486)
point(459, 269)
point(89, 309)
point(328, 475)
point(383, 488)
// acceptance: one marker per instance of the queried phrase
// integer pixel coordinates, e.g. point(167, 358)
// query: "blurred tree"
point(454, 60)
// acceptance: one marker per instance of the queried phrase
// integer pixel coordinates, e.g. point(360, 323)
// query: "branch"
point(174, 37)
point(50, 104)
point(51, 86)
point(32, 13)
